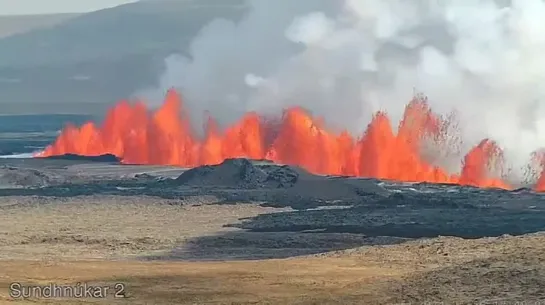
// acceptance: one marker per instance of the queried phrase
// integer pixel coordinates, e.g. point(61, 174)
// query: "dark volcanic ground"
point(322, 204)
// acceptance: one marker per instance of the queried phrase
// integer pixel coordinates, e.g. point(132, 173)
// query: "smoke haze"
point(346, 60)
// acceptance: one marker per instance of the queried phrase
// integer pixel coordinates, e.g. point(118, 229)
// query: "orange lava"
point(165, 137)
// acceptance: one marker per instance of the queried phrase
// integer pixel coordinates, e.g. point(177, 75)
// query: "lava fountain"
point(164, 137)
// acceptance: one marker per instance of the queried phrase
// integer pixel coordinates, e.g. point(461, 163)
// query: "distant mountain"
point(85, 63)
point(147, 27)
point(11, 25)
point(88, 62)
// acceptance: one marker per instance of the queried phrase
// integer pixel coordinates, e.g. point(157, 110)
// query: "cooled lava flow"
point(164, 137)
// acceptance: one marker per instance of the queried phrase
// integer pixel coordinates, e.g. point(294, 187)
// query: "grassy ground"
point(103, 240)
point(310, 281)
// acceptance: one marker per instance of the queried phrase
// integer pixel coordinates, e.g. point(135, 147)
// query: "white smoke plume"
point(481, 58)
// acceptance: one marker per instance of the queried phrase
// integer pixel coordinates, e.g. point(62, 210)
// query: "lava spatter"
point(165, 137)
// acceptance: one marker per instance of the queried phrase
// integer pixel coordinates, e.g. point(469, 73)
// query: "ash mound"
point(106, 158)
point(243, 173)
point(269, 182)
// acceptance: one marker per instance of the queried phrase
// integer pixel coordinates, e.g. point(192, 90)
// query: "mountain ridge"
point(86, 63)
point(19, 24)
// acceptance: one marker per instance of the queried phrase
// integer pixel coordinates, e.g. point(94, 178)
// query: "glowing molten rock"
point(164, 137)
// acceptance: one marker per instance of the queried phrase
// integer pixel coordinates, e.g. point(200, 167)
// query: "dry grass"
point(311, 281)
point(108, 227)
point(447, 271)
point(78, 240)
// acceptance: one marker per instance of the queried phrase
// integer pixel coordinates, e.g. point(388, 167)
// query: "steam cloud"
point(346, 60)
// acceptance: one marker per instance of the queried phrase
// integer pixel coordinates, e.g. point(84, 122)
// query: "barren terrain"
point(201, 247)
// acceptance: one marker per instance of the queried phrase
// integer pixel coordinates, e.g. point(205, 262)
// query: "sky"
point(26, 7)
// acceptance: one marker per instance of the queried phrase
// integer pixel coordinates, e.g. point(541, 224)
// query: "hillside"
point(153, 27)
point(88, 62)
point(12, 25)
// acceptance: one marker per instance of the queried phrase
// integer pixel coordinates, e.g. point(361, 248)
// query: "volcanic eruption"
point(165, 137)
point(349, 64)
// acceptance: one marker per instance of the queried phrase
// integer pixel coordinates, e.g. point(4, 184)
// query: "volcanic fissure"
point(164, 137)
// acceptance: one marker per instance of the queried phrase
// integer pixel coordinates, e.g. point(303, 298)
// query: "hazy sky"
point(23, 7)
